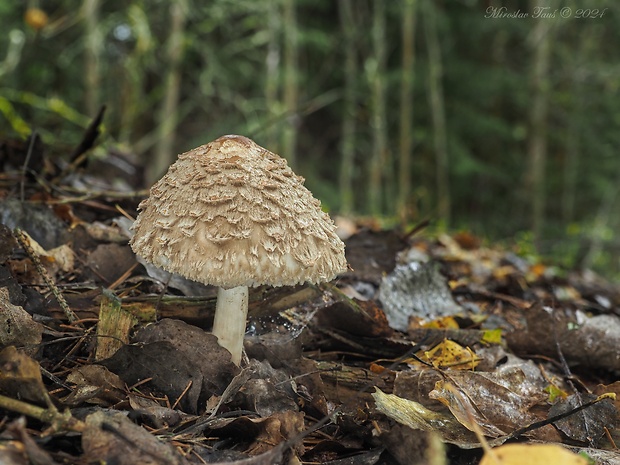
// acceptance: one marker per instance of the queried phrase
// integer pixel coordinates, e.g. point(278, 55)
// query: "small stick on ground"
point(24, 242)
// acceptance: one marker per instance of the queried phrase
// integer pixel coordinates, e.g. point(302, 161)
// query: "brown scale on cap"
point(231, 213)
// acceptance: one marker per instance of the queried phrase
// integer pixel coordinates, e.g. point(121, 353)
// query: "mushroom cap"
point(231, 213)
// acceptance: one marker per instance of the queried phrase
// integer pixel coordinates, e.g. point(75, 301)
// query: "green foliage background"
point(227, 44)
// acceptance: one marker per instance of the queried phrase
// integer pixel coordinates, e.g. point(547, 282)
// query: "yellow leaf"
point(533, 454)
point(450, 354)
point(447, 322)
point(492, 336)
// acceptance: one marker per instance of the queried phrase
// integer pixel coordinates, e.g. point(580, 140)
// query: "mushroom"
point(234, 215)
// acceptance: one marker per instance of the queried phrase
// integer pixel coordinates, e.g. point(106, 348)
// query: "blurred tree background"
point(474, 113)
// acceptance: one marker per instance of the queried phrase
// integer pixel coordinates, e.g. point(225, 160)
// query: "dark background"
point(472, 113)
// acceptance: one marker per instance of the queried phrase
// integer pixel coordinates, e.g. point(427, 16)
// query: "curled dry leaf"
point(416, 416)
point(498, 402)
point(463, 409)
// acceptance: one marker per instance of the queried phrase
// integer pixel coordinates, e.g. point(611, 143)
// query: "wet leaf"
point(587, 425)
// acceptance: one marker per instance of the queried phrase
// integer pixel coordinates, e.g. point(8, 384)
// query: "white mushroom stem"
point(231, 311)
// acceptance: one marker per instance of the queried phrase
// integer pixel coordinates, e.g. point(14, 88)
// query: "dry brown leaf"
point(20, 377)
point(112, 438)
point(416, 416)
point(18, 327)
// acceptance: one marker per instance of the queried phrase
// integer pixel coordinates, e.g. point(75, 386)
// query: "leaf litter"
point(429, 350)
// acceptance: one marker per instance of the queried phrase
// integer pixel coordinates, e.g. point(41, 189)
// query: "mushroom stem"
point(229, 322)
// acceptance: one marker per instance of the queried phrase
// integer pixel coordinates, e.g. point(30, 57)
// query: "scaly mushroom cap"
point(231, 213)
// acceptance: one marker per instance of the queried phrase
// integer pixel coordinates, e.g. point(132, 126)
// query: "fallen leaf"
point(535, 454)
point(94, 384)
point(589, 424)
point(20, 377)
point(450, 354)
point(110, 437)
point(18, 327)
point(416, 416)
point(416, 290)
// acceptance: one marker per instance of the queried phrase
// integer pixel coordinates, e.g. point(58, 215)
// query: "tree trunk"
point(168, 116)
point(347, 166)
point(571, 164)
point(272, 69)
point(92, 56)
point(379, 138)
point(540, 41)
point(438, 114)
point(132, 93)
point(602, 224)
point(406, 111)
point(289, 132)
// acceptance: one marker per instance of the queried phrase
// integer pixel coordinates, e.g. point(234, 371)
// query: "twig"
point(59, 421)
point(24, 242)
point(540, 424)
point(189, 385)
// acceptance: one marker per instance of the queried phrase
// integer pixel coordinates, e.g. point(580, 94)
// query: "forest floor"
point(430, 350)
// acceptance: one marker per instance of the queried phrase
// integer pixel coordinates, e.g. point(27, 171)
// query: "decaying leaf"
point(588, 425)
point(94, 384)
point(416, 416)
point(498, 402)
point(108, 262)
point(58, 258)
point(20, 377)
point(18, 327)
point(464, 409)
point(167, 370)
point(416, 290)
point(111, 438)
point(158, 416)
point(410, 447)
point(183, 361)
point(113, 327)
point(583, 340)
